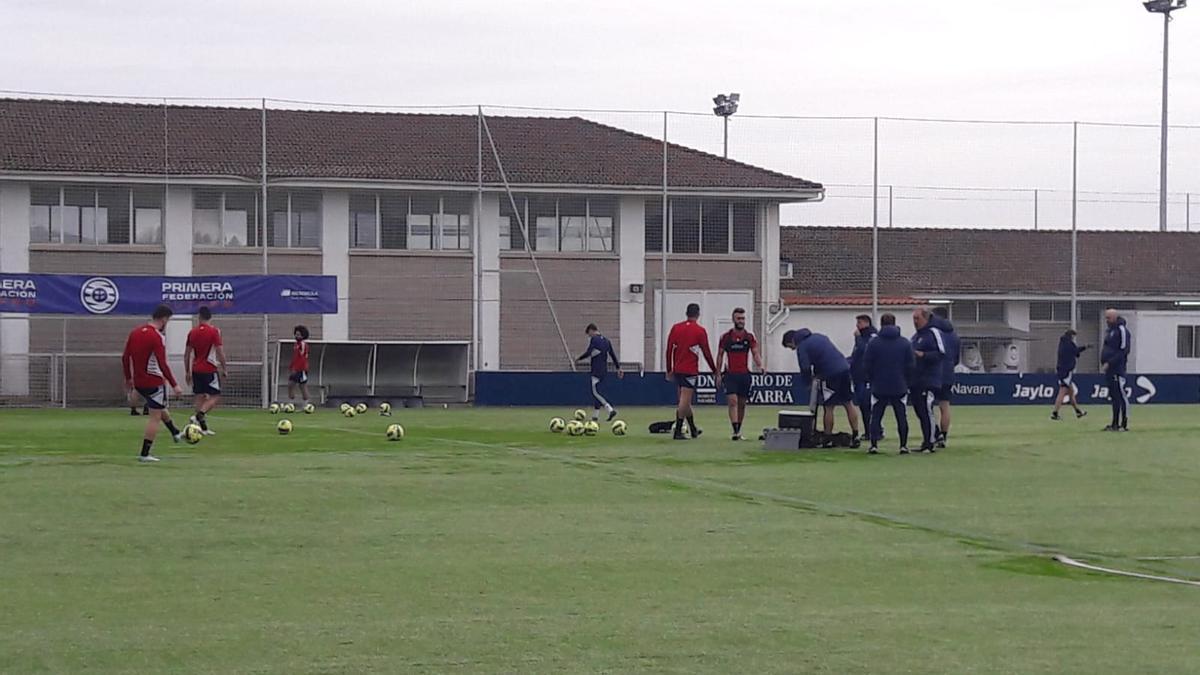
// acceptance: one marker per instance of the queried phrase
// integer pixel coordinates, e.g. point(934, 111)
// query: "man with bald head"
point(1114, 357)
point(929, 348)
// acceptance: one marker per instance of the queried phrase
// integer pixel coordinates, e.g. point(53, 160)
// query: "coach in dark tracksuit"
point(944, 393)
point(1113, 358)
point(863, 332)
point(888, 362)
point(930, 350)
point(818, 357)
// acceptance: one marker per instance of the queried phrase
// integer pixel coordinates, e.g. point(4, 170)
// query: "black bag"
point(661, 427)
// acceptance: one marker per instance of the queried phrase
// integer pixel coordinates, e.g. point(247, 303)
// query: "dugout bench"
point(403, 373)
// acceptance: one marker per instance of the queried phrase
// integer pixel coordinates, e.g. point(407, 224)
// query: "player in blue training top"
point(599, 351)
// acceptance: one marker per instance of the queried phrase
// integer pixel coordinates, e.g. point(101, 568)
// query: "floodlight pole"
point(726, 154)
point(1162, 162)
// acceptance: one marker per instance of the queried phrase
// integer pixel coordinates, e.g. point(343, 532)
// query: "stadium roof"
point(73, 137)
point(939, 262)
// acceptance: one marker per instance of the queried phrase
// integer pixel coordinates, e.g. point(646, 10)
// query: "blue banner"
point(126, 295)
point(500, 388)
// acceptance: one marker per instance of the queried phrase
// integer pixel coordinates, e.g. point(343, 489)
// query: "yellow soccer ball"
point(273, 408)
point(591, 428)
point(395, 432)
point(581, 415)
point(289, 407)
point(574, 428)
point(349, 412)
point(344, 407)
point(619, 428)
point(557, 424)
point(193, 434)
point(385, 409)
point(361, 408)
point(309, 408)
point(284, 427)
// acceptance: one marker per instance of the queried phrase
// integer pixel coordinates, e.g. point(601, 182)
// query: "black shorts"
point(1066, 380)
point(837, 390)
point(686, 381)
point(298, 376)
point(206, 383)
point(155, 397)
point(943, 393)
point(737, 384)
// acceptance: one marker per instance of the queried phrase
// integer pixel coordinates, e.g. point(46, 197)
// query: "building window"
point(568, 224)
point(364, 220)
point(1187, 342)
point(81, 214)
point(1059, 312)
point(785, 269)
point(714, 227)
point(295, 219)
point(225, 218)
point(420, 222)
point(977, 311)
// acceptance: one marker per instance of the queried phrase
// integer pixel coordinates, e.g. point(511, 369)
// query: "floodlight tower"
point(724, 106)
point(1164, 7)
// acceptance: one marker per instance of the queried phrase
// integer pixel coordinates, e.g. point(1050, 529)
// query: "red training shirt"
point(204, 340)
point(738, 345)
point(145, 358)
point(685, 343)
point(300, 357)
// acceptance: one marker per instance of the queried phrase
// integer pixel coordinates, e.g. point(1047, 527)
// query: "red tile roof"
point(91, 137)
point(925, 261)
point(848, 300)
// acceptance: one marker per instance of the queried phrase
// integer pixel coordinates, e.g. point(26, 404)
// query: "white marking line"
point(1122, 573)
point(816, 506)
point(1169, 557)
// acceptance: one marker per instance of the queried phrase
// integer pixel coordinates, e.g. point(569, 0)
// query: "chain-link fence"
point(511, 228)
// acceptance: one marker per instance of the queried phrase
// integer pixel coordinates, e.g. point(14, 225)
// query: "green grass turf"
point(484, 543)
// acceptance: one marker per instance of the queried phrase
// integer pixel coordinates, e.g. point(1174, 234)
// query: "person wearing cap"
point(1068, 357)
point(820, 359)
point(599, 351)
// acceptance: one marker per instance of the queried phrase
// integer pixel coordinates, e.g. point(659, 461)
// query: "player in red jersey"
point(740, 344)
point(203, 359)
point(686, 342)
point(298, 370)
point(144, 363)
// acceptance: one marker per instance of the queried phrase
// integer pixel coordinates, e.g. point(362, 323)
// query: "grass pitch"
point(484, 543)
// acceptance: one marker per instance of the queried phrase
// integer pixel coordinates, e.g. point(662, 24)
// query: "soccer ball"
point(557, 424)
point(581, 415)
point(273, 408)
point(309, 408)
point(344, 407)
point(591, 428)
point(193, 434)
point(619, 428)
point(289, 407)
point(385, 409)
point(574, 428)
point(349, 412)
point(395, 432)
point(361, 408)
point(284, 427)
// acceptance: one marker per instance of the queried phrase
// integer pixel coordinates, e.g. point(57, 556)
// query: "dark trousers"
point(878, 407)
point(922, 403)
point(862, 398)
point(1119, 398)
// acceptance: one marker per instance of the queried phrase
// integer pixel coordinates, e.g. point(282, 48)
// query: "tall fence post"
point(875, 223)
point(1187, 212)
point(666, 238)
point(1074, 225)
point(890, 205)
point(266, 322)
point(1035, 209)
point(64, 363)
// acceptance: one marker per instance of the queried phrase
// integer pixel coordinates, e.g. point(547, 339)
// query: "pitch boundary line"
point(1071, 562)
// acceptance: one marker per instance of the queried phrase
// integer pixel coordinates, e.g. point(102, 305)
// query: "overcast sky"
point(995, 59)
